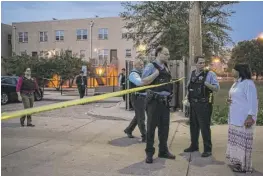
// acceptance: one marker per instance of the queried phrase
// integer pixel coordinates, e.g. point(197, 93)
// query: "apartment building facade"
point(6, 43)
point(98, 39)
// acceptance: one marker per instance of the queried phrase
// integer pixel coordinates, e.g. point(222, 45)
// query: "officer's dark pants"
point(200, 118)
point(158, 115)
point(81, 90)
point(139, 118)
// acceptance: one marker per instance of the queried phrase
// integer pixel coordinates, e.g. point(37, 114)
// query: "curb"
point(62, 100)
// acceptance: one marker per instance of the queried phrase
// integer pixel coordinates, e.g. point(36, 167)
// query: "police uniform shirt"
point(210, 78)
point(149, 70)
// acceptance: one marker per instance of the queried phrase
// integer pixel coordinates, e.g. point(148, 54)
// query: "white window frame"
point(103, 56)
point(61, 35)
point(83, 32)
point(128, 53)
point(103, 34)
point(23, 37)
point(43, 36)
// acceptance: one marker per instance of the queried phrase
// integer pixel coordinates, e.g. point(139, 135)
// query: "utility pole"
point(195, 34)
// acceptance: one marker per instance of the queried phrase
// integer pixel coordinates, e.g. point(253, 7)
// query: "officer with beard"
point(157, 105)
point(201, 86)
point(138, 98)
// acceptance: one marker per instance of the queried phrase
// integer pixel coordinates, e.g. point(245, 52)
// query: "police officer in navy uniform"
point(138, 99)
point(201, 86)
point(157, 105)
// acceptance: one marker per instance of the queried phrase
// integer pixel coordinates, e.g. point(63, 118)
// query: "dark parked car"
point(8, 90)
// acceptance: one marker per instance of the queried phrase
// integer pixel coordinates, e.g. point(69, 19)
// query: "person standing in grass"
point(243, 109)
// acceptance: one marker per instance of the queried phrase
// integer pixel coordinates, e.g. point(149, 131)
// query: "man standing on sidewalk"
point(81, 82)
point(157, 105)
point(201, 86)
point(138, 99)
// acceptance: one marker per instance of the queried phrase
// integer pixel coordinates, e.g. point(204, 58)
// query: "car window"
point(14, 81)
point(8, 81)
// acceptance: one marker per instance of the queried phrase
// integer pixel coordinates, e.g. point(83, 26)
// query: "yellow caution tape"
point(20, 113)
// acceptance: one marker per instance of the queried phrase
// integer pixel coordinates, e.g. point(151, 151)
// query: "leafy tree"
point(65, 65)
point(250, 52)
point(166, 23)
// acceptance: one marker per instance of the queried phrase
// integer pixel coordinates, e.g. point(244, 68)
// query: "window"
point(128, 53)
point(9, 39)
point(11, 81)
point(103, 56)
point(127, 35)
point(82, 34)
point(82, 54)
point(60, 35)
point(103, 34)
point(34, 53)
point(23, 37)
point(43, 36)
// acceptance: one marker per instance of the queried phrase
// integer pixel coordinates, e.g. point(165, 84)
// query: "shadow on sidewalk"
point(124, 141)
point(195, 159)
point(255, 173)
point(143, 168)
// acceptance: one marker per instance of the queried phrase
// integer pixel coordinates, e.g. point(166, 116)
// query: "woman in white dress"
point(243, 108)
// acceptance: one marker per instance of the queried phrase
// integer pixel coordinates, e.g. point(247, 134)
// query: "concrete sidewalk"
point(92, 146)
point(56, 96)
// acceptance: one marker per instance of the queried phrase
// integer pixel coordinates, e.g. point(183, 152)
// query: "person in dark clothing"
point(157, 105)
point(201, 86)
point(25, 89)
point(122, 81)
point(81, 82)
point(138, 99)
point(122, 84)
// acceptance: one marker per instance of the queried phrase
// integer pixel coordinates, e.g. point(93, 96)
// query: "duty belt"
point(199, 100)
point(160, 98)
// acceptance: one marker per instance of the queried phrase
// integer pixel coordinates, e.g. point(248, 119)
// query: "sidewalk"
point(93, 145)
point(56, 96)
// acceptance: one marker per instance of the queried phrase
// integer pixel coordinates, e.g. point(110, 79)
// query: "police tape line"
point(30, 111)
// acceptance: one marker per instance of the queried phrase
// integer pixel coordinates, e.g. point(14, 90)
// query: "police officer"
point(157, 105)
point(201, 86)
point(138, 99)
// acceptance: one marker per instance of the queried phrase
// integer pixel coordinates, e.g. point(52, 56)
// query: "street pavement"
point(78, 141)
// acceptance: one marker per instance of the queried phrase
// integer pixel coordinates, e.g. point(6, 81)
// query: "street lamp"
point(91, 25)
point(260, 37)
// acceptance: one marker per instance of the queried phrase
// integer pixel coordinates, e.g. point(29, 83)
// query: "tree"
point(166, 23)
point(250, 52)
point(65, 65)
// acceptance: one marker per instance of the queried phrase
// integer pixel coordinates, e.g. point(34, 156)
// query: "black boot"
point(191, 149)
point(167, 155)
point(149, 159)
point(206, 154)
point(129, 134)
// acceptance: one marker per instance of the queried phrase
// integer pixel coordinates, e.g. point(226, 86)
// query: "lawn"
point(221, 109)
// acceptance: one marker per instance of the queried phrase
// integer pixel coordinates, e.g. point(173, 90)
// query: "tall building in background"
point(99, 40)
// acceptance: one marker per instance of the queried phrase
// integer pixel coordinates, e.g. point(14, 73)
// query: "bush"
point(220, 114)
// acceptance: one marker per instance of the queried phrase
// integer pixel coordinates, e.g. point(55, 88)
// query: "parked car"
point(8, 90)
